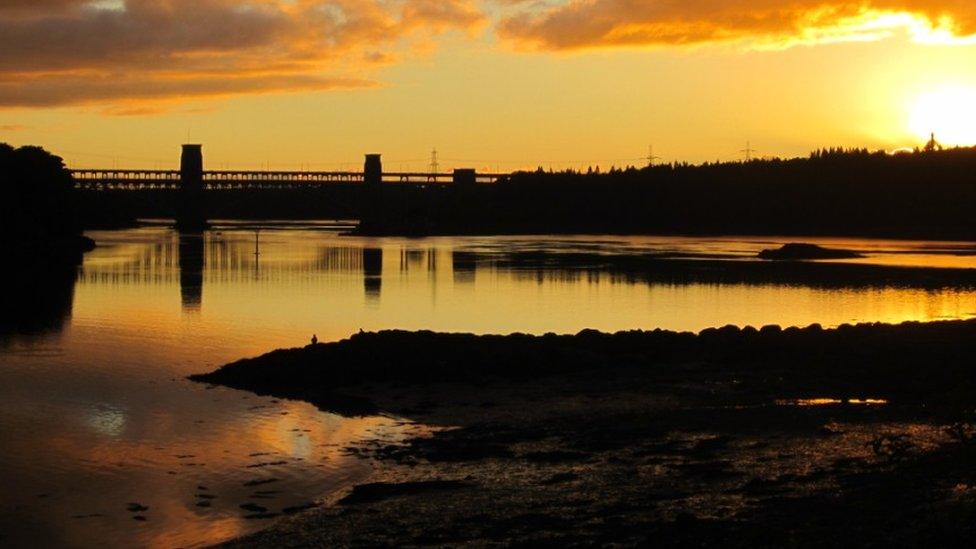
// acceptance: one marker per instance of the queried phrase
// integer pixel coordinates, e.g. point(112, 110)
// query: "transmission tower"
point(434, 164)
point(650, 156)
point(748, 151)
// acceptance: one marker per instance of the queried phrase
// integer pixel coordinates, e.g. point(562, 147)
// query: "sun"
point(949, 112)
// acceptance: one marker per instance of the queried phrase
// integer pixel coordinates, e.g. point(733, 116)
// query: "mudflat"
point(859, 435)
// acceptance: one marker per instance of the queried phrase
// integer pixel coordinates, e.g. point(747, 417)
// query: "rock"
point(560, 478)
point(259, 482)
point(261, 516)
point(379, 491)
point(556, 456)
point(800, 251)
point(299, 508)
point(253, 507)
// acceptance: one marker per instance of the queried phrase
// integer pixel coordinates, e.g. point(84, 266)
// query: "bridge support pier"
point(464, 177)
point(191, 210)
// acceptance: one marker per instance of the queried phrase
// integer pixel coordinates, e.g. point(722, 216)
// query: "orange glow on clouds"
point(582, 24)
point(54, 52)
point(494, 84)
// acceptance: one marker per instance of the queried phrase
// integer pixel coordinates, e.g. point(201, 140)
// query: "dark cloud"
point(56, 52)
point(49, 91)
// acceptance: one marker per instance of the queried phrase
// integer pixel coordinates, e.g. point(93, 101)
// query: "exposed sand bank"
point(738, 437)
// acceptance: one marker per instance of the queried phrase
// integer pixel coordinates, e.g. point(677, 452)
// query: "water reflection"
point(38, 295)
point(372, 273)
point(303, 279)
point(191, 270)
point(463, 265)
point(101, 416)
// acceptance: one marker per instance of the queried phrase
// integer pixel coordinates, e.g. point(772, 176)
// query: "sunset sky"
point(492, 84)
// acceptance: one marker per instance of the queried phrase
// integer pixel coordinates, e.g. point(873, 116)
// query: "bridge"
point(191, 181)
point(129, 179)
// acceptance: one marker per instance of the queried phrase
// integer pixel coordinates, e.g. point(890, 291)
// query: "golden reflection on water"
point(297, 282)
point(92, 468)
point(97, 414)
point(832, 402)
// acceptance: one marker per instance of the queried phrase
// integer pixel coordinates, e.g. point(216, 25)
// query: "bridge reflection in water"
point(307, 276)
point(252, 257)
point(372, 262)
point(191, 261)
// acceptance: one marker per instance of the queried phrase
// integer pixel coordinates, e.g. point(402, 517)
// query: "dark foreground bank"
point(859, 436)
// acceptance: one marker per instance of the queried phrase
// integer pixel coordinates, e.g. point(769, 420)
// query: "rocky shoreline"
point(742, 437)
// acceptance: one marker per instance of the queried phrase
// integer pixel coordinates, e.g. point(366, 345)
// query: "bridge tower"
point(190, 211)
point(464, 177)
point(373, 170)
point(374, 212)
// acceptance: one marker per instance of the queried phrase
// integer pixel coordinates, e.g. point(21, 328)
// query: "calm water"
point(95, 413)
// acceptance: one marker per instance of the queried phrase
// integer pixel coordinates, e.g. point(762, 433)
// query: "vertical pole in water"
point(190, 208)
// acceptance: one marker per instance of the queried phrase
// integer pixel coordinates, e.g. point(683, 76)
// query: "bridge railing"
point(217, 179)
point(282, 176)
point(126, 179)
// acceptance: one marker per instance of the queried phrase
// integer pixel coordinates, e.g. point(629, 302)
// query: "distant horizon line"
point(566, 166)
point(449, 164)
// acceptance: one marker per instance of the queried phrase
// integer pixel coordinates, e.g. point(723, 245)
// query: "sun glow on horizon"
point(948, 111)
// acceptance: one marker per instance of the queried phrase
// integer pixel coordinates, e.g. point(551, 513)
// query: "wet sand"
point(855, 436)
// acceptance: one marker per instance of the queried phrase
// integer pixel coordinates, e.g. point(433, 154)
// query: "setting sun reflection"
point(831, 402)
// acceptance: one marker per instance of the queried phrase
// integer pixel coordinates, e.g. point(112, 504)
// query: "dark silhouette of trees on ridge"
point(833, 191)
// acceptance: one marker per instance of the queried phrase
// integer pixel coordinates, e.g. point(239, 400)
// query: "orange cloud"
point(580, 24)
point(62, 52)
point(59, 89)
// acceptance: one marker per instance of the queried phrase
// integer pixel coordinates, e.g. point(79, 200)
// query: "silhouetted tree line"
point(930, 194)
point(36, 192)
